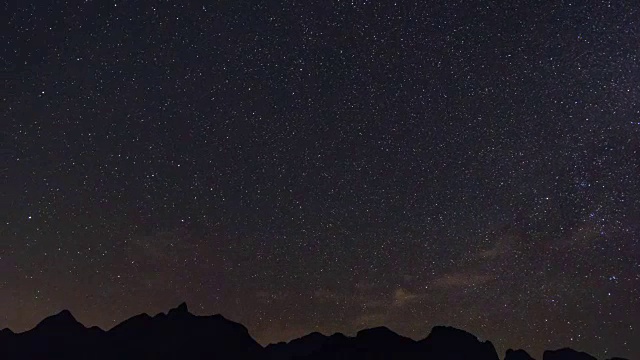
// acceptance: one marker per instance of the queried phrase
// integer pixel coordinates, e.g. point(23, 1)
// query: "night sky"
point(327, 167)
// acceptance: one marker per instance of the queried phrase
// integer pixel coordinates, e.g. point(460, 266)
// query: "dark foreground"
point(182, 335)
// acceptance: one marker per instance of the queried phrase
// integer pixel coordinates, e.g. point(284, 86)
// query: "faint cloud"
point(367, 299)
point(364, 285)
point(368, 320)
point(462, 279)
point(489, 254)
point(501, 247)
point(327, 296)
point(269, 297)
point(402, 296)
point(583, 236)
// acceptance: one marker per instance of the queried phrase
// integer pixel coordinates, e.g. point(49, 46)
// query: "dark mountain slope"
point(182, 335)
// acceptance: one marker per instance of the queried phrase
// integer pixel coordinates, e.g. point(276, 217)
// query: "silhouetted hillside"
point(182, 335)
point(176, 335)
point(566, 354)
point(517, 355)
point(297, 348)
point(454, 344)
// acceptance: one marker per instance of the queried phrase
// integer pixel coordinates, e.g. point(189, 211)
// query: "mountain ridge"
point(179, 334)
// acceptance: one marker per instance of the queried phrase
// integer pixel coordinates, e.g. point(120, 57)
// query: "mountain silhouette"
point(62, 320)
point(176, 335)
point(446, 342)
point(59, 336)
point(179, 334)
point(297, 348)
point(566, 354)
point(517, 355)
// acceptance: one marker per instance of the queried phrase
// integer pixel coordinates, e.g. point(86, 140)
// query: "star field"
point(327, 167)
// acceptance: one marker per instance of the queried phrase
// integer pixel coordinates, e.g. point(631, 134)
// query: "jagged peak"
point(62, 316)
point(65, 314)
point(60, 320)
point(180, 309)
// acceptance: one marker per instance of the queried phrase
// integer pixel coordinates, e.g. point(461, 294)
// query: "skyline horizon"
point(184, 306)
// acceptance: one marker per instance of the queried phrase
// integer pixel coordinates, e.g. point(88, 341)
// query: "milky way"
point(327, 167)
